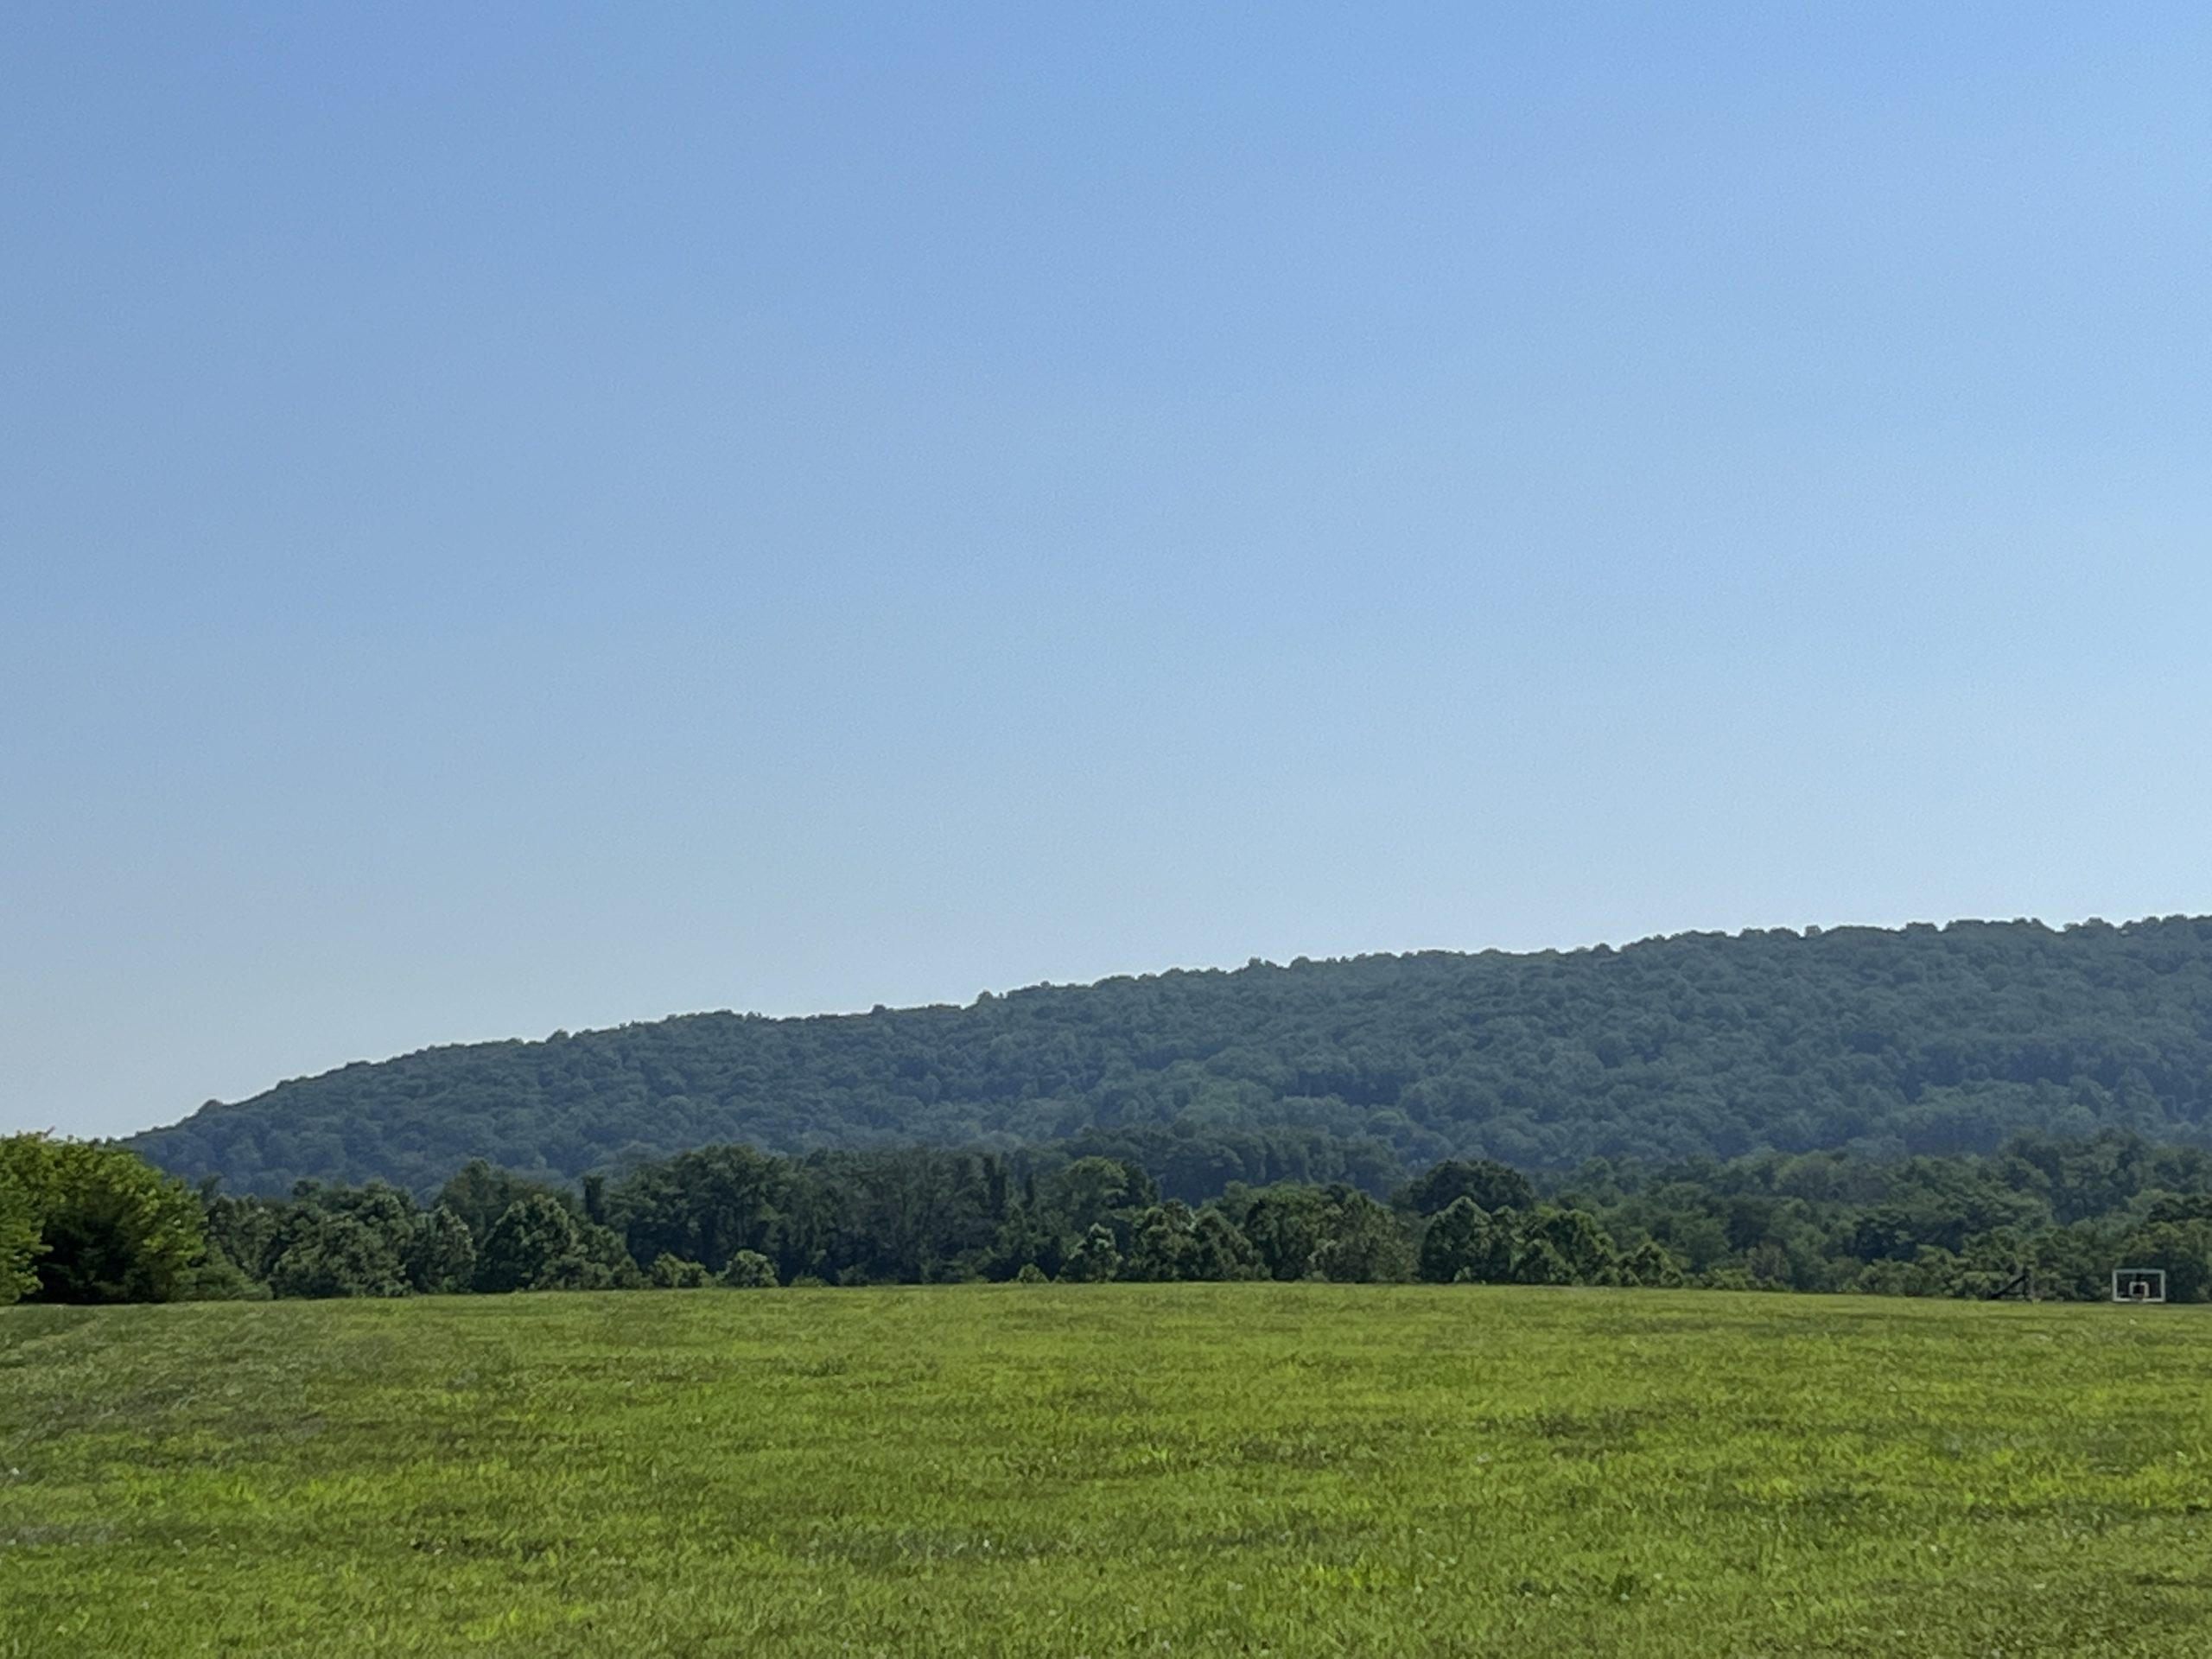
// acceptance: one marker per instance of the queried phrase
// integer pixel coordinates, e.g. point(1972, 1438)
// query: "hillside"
point(1924, 1038)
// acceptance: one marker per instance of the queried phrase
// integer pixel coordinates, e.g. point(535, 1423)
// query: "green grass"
point(1119, 1469)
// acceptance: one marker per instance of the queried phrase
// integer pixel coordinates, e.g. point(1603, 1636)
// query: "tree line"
point(82, 1223)
point(1885, 1042)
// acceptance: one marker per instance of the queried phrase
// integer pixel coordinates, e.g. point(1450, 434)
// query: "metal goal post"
point(2138, 1284)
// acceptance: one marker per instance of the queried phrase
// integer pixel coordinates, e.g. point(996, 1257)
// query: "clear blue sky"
point(530, 517)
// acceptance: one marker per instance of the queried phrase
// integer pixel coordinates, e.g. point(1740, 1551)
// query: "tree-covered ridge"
point(1888, 1042)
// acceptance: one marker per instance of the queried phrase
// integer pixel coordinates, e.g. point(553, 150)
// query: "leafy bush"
point(85, 1223)
point(749, 1270)
point(674, 1272)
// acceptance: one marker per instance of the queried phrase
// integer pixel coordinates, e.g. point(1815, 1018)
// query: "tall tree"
point(540, 1243)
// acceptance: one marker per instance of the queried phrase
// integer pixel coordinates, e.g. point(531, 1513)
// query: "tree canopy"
point(2052, 1214)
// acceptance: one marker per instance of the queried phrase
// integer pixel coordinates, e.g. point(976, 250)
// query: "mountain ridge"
point(1923, 1038)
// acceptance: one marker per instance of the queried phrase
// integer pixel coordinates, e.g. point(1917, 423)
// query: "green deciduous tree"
point(19, 1242)
point(1163, 1245)
point(1285, 1226)
point(1365, 1244)
point(1456, 1241)
point(1094, 1189)
point(334, 1254)
point(1026, 1238)
point(441, 1257)
point(1095, 1260)
point(1219, 1251)
point(109, 1226)
point(703, 1206)
point(1574, 1239)
point(1491, 1186)
point(479, 1194)
point(540, 1243)
point(1650, 1264)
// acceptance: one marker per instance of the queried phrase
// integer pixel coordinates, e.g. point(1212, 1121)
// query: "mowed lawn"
point(1298, 1469)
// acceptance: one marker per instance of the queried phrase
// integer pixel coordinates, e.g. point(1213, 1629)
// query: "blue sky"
point(530, 517)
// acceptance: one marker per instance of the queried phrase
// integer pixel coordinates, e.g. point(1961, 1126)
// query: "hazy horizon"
point(517, 521)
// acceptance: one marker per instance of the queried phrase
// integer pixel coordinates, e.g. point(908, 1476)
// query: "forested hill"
point(1925, 1038)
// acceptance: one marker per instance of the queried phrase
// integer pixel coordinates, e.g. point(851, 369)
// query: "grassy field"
point(1107, 1470)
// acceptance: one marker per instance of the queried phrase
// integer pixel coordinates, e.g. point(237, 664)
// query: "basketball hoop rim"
point(2146, 1286)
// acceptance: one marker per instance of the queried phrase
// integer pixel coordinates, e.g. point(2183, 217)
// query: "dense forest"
point(2044, 1216)
point(1882, 1043)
